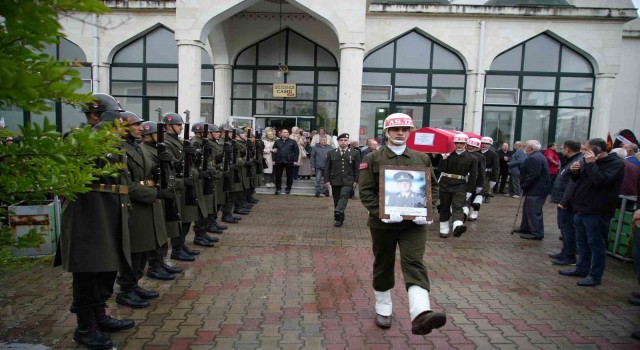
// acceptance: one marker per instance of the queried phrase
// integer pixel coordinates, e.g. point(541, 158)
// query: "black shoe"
point(530, 236)
point(160, 273)
point(326, 193)
point(229, 219)
point(92, 338)
point(588, 282)
point(427, 321)
point(108, 324)
point(241, 212)
point(211, 239)
point(520, 231)
point(277, 192)
point(338, 223)
point(287, 191)
point(191, 251)
point(383, 322)
point(635, 335)
point(171, 269)
point(131, 299)
point(253, 200)
point(635, 294)
point(219, 225)
point(213, 229)
point(486, 199)
point(317, 194)
point(146, 294)
point(573, 272)
point(203, 242)
point(181, 255)
point(634, 301)
point(564, 261)
point(459, 230)
point(557, 256)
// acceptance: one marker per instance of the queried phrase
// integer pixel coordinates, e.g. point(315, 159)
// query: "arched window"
point(63, 115)
point(417, 76)
point(144, 76)
point(312, 68)
point(541, 89)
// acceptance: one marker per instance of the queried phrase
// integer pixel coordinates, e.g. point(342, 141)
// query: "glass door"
point(535, 125)
point(416, 112)
point(500, 124)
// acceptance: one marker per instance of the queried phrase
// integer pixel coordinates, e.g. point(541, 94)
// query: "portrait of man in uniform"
point(405, 192)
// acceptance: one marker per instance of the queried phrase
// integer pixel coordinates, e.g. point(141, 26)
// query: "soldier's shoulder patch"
point(363, 165)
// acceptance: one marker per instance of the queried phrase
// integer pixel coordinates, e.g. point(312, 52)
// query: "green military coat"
point(95, 227)
point(481, 168)
point(369, 182)
point(172, 227)
point(463, 164)
point(242, 171)
point(218, 155)
point(209, 199)
point(147, 225)
point(189, 213)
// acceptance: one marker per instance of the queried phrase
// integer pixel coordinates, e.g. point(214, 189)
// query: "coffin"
point(432, 140)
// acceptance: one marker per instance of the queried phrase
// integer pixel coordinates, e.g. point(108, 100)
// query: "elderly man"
point(536, 185)
point(597, 183)
point(631, 150)
point(514, 164)
point(372, 146)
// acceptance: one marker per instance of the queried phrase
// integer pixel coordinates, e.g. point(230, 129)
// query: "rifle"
point(250, 149)
point(259, 154)
point(167, 179)
point(226, 167)
point(190, 197)
point(234, 157)
point(207, 187)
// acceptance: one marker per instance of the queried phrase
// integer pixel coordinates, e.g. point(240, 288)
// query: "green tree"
point(43, 163)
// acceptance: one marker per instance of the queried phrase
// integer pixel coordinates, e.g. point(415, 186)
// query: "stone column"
point(351, 61)
point(189, 77)
point(603, 96)
point(223, 86)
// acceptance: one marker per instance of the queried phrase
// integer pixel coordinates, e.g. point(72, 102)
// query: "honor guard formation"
point(170, 183)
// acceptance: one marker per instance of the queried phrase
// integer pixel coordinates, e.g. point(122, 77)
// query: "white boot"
point(418, 301)
point(384, 306)
point(444, 229)
point(473, 215)
point(465, 211)
point(458, 228)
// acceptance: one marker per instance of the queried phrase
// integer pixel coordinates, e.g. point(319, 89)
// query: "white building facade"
point(550, 70)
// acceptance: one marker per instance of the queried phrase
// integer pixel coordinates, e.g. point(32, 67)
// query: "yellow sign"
point(284, 90)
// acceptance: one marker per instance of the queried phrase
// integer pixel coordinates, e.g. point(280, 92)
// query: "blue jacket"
point(319, 156)
point(516, 161)
point(534, 175)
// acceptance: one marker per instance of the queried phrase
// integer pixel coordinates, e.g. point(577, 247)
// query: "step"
point(299, 187)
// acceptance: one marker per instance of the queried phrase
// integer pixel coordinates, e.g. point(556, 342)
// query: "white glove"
point(421, 220)
point(491, 184)
point(478, 189)
point(468, 195)
point(393, 219)
point(445, 155)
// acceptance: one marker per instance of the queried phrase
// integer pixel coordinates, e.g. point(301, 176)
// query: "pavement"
point(285, 278)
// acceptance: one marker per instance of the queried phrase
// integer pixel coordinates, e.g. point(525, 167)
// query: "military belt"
point(488, 170)
point(119, 189)
point(148, 183)
point(454, 176)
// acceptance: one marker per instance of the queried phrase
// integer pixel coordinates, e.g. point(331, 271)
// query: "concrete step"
point(299, 187)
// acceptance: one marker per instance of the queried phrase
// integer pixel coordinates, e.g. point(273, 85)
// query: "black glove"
point(188, 182)
point(219, 158)
point(204, 175)
point(248, 164)
point(165, 156)
point(227, 174)
point(232, 167)
point(189, 150)
point(165, 193)
point(208, 146)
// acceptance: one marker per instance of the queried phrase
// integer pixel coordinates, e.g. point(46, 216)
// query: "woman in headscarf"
point(269, 139)
point(304, 171)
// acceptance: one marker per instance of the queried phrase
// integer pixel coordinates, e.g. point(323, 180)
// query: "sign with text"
point(284, 90)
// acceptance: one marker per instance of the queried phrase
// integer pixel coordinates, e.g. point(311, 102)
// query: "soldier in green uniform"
point(240, 206)
point(95, 243)
point(173, 127)
point(476, 199)
point(405, 197)
point(201, 142)
point(217, 151)
point(388, 234)
point(147, 229)
point(341, 172)
point(158, 268)
point(230, 193)
point(492, 170)
point(458, 172)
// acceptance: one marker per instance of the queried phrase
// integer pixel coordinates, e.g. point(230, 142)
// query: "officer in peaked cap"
point(403, 176)
point(341, 172)
point(405, 197)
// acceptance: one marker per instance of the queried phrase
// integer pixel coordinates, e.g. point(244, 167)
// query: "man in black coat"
point(286, 153)
point(536, 185)
point(594, 198)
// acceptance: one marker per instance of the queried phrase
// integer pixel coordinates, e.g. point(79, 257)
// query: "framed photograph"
point(405, 190)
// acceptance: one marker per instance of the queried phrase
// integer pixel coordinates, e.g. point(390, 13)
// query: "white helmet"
point(487, 139)
point(461, 138)
point(398, 120)
point(474, 142)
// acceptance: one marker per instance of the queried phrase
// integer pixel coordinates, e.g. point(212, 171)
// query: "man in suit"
point(406, 197)
point(341, 171)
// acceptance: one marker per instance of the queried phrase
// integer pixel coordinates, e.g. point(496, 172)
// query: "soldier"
point(405, 197)
point(158, 269)
point(341, 171)
point(147, 230)
point(201, 142)
point(475, 201)
point(240, 205)
point(230, 193)
point(492, 170)
point(95, 243)
point(458, 172)
point(409, 235)
point(217, 155)
point(92, 110)
point(173, 127)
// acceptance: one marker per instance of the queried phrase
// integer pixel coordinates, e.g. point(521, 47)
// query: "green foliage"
point(29, 78)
